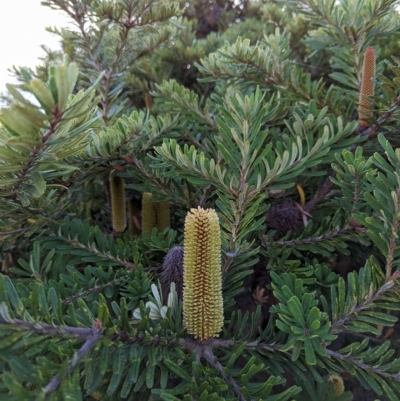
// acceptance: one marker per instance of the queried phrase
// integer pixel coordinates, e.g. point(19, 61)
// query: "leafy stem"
point(367, 303)
point(360, 364)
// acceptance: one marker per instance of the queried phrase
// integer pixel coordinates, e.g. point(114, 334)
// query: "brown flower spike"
point(367, 87)
point(203, 313)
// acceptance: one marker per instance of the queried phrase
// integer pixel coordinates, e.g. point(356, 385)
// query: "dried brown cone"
point(118, 204)
point(367, 87)
point(172, 271)
point(284, 217)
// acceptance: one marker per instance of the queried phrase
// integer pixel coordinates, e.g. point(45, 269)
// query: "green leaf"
point(177, 370)
point(296, 310)
point(309, 352)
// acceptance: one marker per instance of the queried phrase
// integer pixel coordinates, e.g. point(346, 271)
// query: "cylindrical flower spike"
point(149, 214)
point(118, 204)
point(202, 279)
point(154, 214)
point(367, 87)
point(163, 215)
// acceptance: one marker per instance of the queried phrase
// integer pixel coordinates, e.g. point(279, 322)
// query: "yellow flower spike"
point(154, 214)
point(148, 212)
point(203, 313)
point(367, 87)
point(118, 204)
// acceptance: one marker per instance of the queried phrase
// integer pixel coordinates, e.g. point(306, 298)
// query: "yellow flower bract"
point(202, 280)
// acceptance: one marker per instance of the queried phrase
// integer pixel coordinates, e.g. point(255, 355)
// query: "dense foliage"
point(255, 109)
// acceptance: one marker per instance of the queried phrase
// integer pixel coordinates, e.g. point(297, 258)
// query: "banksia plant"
point(367, 87)
point(236, 120)
point(118, 204)
point(154, 214)
point(202, 280)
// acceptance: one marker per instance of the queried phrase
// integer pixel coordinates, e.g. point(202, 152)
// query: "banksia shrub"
point(202, 282)
point(261, 123)
point(118, 204)
point(367, 87)
point(154, 214)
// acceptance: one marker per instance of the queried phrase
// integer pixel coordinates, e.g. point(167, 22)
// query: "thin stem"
point(44, 328)
point(364, 366)
point(18, 230)
point(203, 198)
point(311, 240)
point(325, 188)
point(369, 338)
point(89, 344)
point(356, 196)
point(367, 303)
point(214, 363)
point(115, 259)
point(98, 288)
